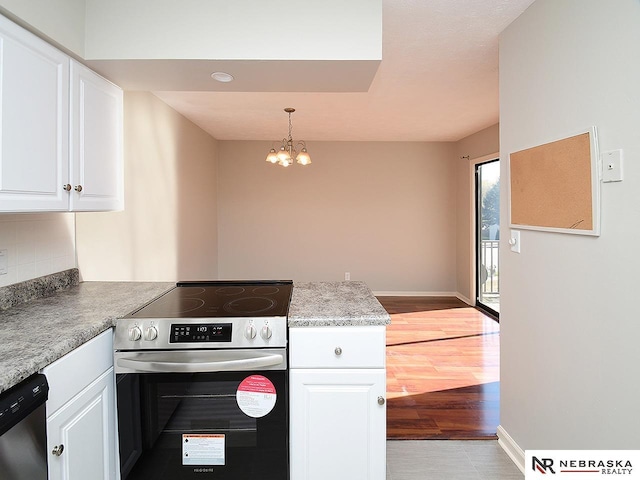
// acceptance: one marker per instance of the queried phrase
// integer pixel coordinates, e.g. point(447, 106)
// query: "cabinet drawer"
point(70, 374)
point(337, 347)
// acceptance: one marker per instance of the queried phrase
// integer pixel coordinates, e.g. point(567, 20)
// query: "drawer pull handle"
point(380, 400)
point(78, 188)
point(66, 187)
point(57, 450)
point(338, 351)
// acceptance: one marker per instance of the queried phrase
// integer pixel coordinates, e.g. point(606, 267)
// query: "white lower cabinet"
point(83, 433)
point(81, 414)
point(338, 410)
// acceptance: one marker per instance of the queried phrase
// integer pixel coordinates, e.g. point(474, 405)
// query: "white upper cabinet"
point(96, 142)
point(34, 133)
point(60, 130)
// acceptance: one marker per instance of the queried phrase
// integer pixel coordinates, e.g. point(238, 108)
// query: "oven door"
point(212, 425)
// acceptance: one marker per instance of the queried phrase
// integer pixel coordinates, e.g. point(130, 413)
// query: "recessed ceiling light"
point(223, 77)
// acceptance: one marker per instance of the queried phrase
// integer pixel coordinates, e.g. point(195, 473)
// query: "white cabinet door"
point(81, 413)
point(34, 122)
point(338, 424)
point(96, 142)
point(83, 433)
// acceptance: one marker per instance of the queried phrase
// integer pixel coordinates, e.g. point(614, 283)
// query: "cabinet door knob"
point(338, 351)
point(78, 188)
point(67, 187)
point(57, 450)
point(380, 400)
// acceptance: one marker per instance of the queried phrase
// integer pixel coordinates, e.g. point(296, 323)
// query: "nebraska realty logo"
point(582, 463)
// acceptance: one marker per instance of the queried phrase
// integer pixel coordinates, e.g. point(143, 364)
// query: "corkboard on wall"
point(552, 186)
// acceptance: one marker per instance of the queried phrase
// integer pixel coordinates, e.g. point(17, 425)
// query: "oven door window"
point(191, 427)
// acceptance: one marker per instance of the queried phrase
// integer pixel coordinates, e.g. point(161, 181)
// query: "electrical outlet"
point(4, 261)
point(347, 276)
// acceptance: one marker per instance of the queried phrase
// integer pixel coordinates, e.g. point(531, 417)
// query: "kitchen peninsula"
point(336, 358)
point(53, 315)
point(337, 382)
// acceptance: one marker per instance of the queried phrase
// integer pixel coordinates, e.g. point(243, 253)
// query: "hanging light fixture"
point(287, 152)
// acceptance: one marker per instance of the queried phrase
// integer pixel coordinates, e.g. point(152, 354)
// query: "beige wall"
point(403, 225)
point(167, 231)
point(479, 145)
point(385, 212)
point(396, 215)
point(569, 325)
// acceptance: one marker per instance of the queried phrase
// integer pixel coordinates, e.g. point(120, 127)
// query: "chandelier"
point(287, 151)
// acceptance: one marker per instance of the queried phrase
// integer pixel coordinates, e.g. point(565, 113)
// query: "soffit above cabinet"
point(276, 46)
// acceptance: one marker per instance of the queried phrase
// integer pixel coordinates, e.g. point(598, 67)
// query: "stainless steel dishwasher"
point(23, 435)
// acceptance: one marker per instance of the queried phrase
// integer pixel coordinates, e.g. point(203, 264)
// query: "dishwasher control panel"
point(22, 399)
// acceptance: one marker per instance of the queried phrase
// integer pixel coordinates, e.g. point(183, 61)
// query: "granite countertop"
point(44, 319)
point(36, 333)
point(322, 304)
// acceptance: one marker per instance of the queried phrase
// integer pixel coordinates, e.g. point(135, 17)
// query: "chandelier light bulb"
point(272, 157)
point(283, 155)
point(303, 157)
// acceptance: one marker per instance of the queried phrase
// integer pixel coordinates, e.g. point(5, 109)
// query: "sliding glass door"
point(488, 236)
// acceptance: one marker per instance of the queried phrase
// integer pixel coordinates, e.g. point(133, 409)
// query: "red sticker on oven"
point(256, 396)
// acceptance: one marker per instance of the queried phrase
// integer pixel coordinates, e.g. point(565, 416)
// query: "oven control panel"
point(200, 332)
point(143, 334)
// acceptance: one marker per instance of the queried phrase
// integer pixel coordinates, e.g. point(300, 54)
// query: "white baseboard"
point(415, 294)
point(458, 295)
point(508, 444)
point(465, 299)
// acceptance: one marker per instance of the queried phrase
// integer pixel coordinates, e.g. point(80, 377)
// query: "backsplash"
point(37, 245)
point(41, 287)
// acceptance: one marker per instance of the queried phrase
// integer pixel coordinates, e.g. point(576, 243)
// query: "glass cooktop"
point(266, 298)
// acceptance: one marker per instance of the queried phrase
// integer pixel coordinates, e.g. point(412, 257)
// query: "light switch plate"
point(514, 241)
point(612, 166)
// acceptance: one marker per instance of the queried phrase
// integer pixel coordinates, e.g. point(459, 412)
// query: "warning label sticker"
point(200, 449)
point(256, 396)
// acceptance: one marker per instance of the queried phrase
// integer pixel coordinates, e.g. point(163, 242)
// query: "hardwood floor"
point(443, 361)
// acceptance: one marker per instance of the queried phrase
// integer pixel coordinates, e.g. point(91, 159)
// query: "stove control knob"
point(266, 332)
point(135, 333)
point(151, 333)
point(250, 332)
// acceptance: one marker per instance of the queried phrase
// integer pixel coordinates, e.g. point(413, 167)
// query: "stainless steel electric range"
point(202, 383)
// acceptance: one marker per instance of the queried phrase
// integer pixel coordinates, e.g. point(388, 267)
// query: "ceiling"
point(438, 81)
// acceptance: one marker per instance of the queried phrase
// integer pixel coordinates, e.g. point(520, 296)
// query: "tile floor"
point(449, 460)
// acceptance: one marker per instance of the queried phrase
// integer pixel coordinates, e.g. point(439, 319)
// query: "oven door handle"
point(147, 363)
